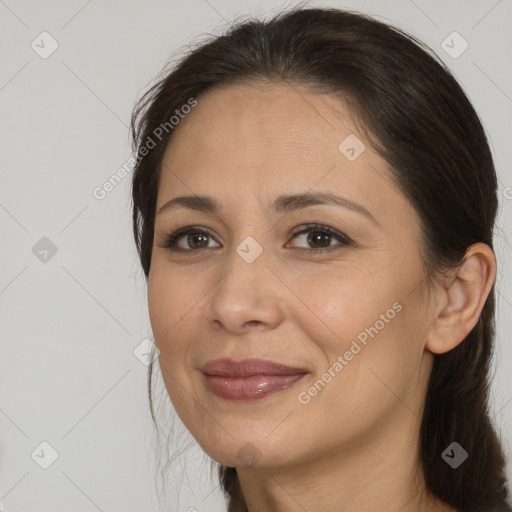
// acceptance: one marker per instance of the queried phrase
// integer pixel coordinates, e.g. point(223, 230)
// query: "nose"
point(246, 296)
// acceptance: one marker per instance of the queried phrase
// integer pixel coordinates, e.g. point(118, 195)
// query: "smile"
point(251, 379)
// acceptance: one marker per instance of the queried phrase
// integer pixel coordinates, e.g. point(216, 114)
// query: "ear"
point(461, 300)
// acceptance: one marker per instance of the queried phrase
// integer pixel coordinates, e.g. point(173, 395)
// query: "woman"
point(313, 206)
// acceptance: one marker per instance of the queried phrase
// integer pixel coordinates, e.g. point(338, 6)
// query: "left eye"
point(197, 239)
point(321, 236)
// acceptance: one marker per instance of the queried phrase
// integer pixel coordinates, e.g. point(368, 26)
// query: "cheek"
point(372, 361)
point(343, 302)
point(170, 297)
point(171, 306)
point(368, 319)
point(160, 299)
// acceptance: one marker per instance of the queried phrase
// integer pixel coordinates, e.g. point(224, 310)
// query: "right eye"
point(197, 239)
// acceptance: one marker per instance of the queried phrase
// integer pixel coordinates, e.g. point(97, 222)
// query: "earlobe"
point(463, 299)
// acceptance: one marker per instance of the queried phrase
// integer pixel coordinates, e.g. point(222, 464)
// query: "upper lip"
point(248, 368)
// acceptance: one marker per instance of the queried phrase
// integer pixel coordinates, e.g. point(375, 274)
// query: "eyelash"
point(170, 242)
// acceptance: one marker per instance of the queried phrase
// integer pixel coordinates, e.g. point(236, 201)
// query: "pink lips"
point(250, 379)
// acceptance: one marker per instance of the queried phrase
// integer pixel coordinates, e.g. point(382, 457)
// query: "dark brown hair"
point(421, 122)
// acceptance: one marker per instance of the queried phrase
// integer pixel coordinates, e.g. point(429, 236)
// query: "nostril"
point(253, 323)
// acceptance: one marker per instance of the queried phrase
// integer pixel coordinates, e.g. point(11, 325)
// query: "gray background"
point(69, 325)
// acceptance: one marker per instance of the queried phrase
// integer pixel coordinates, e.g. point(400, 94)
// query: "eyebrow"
point(283, 204)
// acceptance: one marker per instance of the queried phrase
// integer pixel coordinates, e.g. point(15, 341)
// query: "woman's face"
point(349, 319)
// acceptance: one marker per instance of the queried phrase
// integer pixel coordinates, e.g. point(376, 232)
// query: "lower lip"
point(249, 388)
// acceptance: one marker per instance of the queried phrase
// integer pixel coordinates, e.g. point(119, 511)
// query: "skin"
point(353, 446)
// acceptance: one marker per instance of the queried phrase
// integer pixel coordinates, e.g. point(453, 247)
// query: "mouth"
point(251, 379)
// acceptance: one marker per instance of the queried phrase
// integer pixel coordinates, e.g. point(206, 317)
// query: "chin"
point(244, 450)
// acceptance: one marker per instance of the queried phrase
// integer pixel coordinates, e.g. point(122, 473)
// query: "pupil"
point(313, 239)
point(192, 238)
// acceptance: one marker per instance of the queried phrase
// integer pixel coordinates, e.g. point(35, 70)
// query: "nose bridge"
point(245, 292)
point(246, 264)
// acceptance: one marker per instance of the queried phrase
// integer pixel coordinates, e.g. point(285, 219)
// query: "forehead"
point(247, 144)
point(259, 121)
